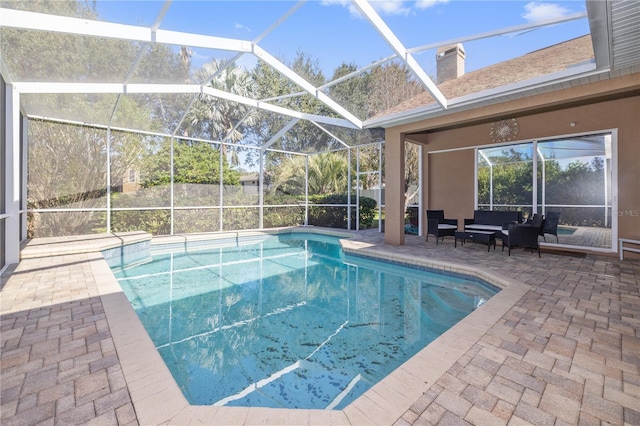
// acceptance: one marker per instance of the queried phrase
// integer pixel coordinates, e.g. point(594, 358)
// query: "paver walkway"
point(59, 364)
point(568, 352)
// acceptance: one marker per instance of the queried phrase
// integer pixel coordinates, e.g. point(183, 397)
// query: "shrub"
point(336, 216)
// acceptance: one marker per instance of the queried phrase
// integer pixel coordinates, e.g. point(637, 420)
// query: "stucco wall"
point(450, 184)
point(449, 175)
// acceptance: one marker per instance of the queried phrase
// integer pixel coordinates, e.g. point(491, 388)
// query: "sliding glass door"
point(505, 176)
point(570, 180)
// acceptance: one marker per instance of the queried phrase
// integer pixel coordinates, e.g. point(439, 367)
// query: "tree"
point(390, 85)
point(18, 45)
point(217, 119)
point(160, 64)
point(71, 160)
point(328, 174)
point(576, 182)
point(411, 172)
point(369, 159)
point(372, 93)
point(304, 136)
point(352, 93)
point(194, 162)
point(512, 178)
point(76, 179)
point(68, 57)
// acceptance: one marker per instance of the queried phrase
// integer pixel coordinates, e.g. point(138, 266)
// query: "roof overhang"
point(592, 90)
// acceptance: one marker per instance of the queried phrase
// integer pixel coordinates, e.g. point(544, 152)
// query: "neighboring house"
point(526, 100)
point(250, 183)
point(131, 181)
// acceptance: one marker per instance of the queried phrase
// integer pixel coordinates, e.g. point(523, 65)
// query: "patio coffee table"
point(484, 237)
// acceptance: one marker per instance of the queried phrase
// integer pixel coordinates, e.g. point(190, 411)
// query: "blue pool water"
point(289, 320)
point(566, 230)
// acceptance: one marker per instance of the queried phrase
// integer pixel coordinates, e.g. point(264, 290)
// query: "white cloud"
point(332, 2)
point(425, 4)
point(391, 7)
point(242, 27)
point(388, 7)
point(353, 11)
point(536, 11)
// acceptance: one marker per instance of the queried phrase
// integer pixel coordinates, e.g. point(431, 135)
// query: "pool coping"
point(157, 398)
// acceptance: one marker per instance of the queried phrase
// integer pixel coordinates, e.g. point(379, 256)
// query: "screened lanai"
point(179, 116)
point(195, 137)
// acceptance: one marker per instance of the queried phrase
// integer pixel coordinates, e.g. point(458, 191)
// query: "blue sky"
point(332, 32)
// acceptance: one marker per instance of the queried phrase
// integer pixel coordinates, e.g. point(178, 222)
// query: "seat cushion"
point(446, 226)
point(483, 227)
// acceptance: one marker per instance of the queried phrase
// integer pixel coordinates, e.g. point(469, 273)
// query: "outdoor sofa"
point(491, 220)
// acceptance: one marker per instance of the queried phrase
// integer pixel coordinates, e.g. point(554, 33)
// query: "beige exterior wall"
point(449, 176)
point(450, 184)
point(394, 188)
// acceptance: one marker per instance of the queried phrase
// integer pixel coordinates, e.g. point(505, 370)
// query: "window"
point(572, 177)
point(505, 176)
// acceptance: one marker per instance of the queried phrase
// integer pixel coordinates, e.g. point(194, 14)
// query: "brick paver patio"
point(567, 352)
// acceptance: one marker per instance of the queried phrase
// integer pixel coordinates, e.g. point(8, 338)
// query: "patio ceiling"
point(614, 27)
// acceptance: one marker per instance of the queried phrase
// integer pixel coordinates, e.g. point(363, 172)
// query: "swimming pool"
point(289, 320)
point(566, 230)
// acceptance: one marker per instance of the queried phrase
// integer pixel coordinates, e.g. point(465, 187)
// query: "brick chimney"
point(450, 60)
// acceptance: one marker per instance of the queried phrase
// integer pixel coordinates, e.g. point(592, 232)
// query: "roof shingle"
point(534, 64)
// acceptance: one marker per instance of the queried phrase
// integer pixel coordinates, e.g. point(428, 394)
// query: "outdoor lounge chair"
point(523, 235)
point(551, 225)
point(439, 226)
point(537, 220)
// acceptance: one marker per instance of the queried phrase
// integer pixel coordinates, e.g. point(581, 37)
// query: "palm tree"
point(289, 176)
point(218, 119)
point(328, 174)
